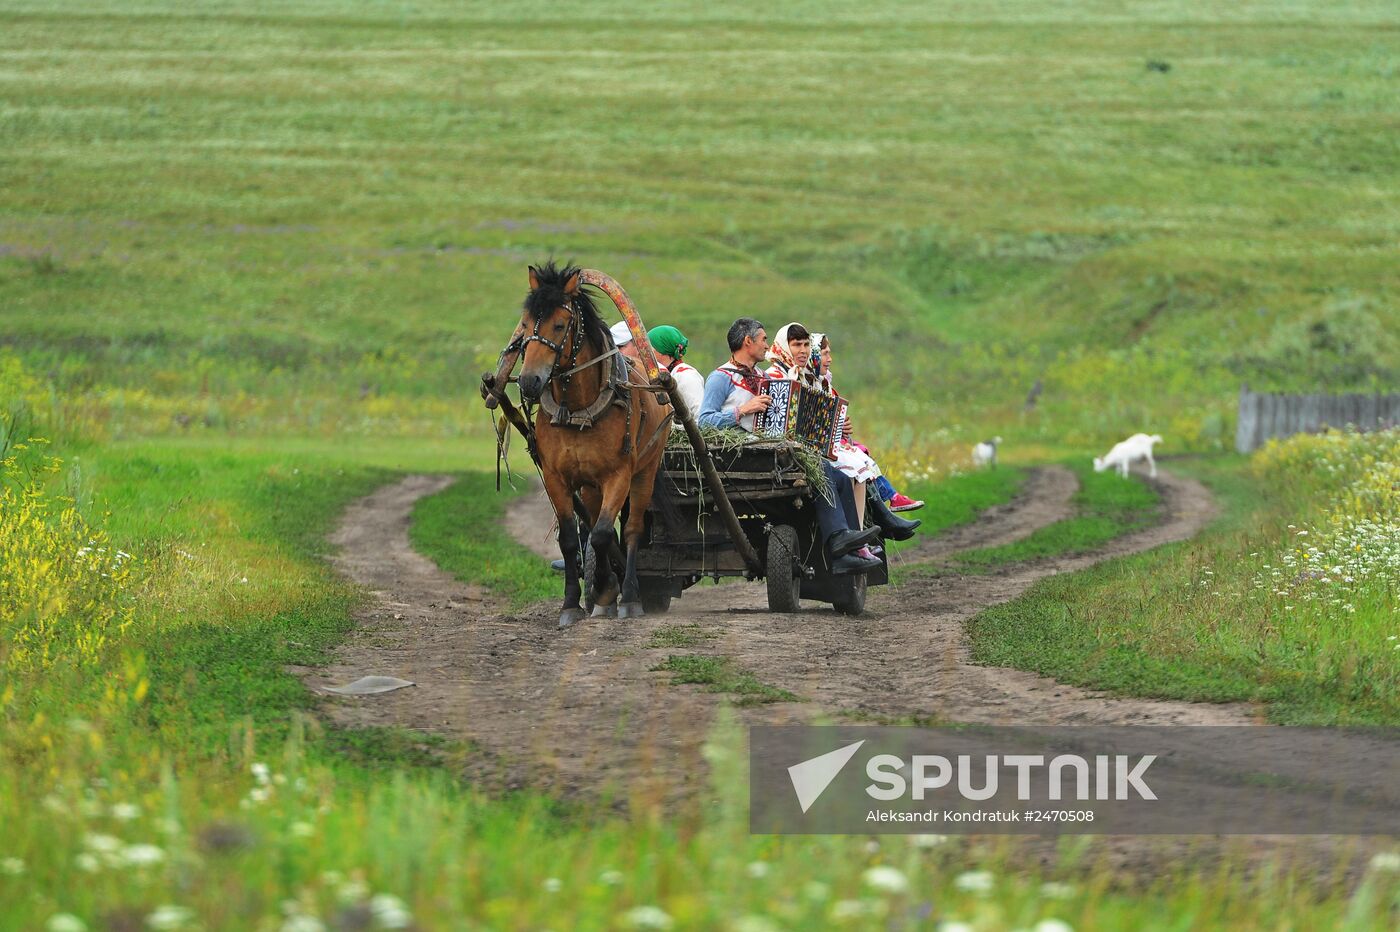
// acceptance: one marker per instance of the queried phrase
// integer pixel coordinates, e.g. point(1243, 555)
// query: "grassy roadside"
point(460, 530)
point(1213, 619)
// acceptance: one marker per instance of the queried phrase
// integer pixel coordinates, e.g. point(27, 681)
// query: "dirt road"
point(576, 709)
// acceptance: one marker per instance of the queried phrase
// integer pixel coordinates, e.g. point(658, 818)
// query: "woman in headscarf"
point(788, 353)
point(853, 458)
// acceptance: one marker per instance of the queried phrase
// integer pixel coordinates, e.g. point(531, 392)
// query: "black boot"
point(843, 542)
point(852, 563)
point(895, 527)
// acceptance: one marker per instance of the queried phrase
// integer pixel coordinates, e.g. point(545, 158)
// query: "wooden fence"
point(1264, 415)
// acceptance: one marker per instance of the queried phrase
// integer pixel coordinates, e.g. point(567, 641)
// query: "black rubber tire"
point(782, 575)
point(851, 600)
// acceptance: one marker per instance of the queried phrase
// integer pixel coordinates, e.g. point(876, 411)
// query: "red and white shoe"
point(902, 502)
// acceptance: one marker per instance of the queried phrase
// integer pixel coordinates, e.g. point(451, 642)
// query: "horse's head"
point(553, 326)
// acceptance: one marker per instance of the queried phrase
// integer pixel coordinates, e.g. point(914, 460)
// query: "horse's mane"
point(550, 295)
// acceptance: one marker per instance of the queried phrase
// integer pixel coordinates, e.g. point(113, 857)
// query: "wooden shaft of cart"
point(496, 396)
point(707, 469)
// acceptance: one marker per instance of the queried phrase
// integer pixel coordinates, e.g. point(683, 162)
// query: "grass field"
point(313, 219)
point(253, 258)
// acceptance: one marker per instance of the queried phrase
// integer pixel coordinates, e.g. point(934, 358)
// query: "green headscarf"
point(668, 340)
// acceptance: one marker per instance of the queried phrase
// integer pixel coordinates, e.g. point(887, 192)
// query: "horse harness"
point(615, 389)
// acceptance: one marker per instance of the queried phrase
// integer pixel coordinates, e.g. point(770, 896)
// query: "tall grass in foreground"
point(101, 837)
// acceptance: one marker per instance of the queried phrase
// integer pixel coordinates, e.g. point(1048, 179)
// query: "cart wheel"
point(784, 583)
point(656, 596)
point(850, 595)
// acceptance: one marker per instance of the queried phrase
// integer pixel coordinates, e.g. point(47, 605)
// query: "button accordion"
point(803, 413)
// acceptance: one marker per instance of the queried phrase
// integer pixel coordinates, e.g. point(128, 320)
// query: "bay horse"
point(595, 434)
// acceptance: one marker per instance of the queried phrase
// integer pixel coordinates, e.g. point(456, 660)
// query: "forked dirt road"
point(583, 709)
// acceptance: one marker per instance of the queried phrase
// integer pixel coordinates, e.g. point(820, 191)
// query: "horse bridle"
point(575, 318)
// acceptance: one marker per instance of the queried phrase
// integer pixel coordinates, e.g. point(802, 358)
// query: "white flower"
point(1053, 890)
point(1386, 861)
point(954, 927)
point(755, 924)
point(88, 863)
point(611, 878)
point(886, 879)
point(65, 922)
point(757, 869)
point(553, 884)
point(854, 909)
point(648, 917)
point(11, 866)
point(351, 891)
point(261, 773)
point(389, 911)
point(979, 882)
point(169, 917)
point(927, 841)
point(816, 890)
point(303, 924)
point(1052, 925)
point(301, 830)
point(125, 812)
point(142, 855)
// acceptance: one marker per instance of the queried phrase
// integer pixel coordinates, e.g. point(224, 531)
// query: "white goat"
point(985, 453)
point(1123, 455)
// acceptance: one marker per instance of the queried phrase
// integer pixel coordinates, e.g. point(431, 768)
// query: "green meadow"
point(255, 256)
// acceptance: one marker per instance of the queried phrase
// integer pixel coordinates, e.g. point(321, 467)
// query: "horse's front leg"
point(562, 498)
point(603, 539)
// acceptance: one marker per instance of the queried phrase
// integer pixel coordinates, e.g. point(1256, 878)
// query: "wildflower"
point(125, 812)
point(261, 773)
point(1386, 861)
point(389, 911)
point(854, 909)
point(1052, 925)
point(553, 884)
point(169, 917)
point(648, 917)
point(611, 878)
point(65, 922)
point(14, 867)
point(88, 863)
point(927, 841)
point(353, 890)
point(757, 870)
point(1053, 890)
point(755, 924)
point(303, 923)
point(978, 882)
point(142, 855)
point(954, 927)
point(886, 880)
point(301, 830)
point(816, 890)
point(102, 844)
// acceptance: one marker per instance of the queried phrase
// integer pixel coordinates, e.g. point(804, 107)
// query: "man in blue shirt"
point(732, 400)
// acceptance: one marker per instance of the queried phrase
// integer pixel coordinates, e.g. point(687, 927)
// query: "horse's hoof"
point(605, 611)
point(571, 616)
point(630, 610)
